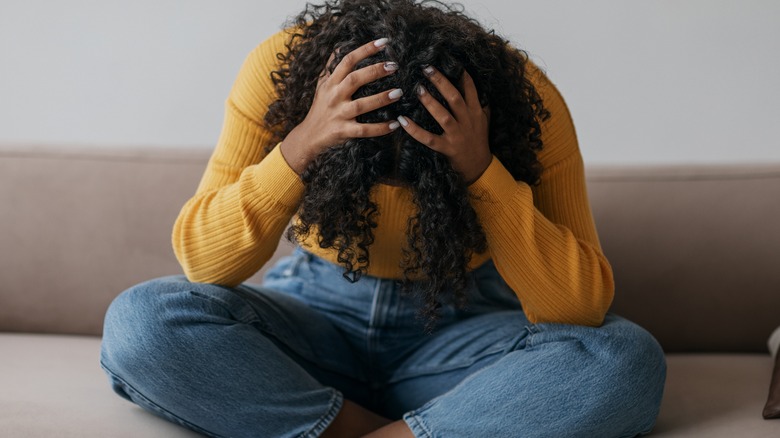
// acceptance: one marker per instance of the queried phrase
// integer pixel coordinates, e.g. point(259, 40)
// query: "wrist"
point(479, 172)
point(295, 151)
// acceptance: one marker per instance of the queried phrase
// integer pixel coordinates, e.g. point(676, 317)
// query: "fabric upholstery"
point(79, 226)
point(695, 251)
point(689, 244)
point(83, 226)
point(53, 386)
point(715, 395)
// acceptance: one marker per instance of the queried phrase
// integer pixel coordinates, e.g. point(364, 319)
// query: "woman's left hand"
point(465, 138)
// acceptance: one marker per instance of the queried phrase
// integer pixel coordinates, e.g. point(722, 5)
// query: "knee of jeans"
point(636, 364)
point(137, 324)
point(637, 350)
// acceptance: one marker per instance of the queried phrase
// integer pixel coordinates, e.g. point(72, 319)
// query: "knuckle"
point(447, 149)
point(385, 97)
point(357, 107)
point(379, 129)
point(447, 120)
point(452, 97)
point(351, 80)
point(378, 70)
point(337, 132)
point(349, 59)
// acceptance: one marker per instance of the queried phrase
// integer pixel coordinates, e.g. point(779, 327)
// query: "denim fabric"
point(277, 360)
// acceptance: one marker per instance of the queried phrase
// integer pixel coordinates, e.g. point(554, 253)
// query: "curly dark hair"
point(445, 231)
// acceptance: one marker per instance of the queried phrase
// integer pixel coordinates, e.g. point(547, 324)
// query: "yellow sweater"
point(542, 239)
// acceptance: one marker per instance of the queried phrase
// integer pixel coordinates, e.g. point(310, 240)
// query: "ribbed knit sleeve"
point(543, 240)
point(230, 228)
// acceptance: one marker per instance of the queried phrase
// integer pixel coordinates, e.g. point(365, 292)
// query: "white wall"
point(647, 82)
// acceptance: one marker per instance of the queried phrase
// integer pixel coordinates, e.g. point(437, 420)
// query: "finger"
point(470, 91)
point(370, 103)
point(351, 59)
point(448, 91)
point(365, 75)
point(365, 130)
point(413, 129)
point(325, 72)
point(437, 110)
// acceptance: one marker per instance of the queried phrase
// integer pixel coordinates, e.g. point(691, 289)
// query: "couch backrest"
point(80, 225)
point(695, 249)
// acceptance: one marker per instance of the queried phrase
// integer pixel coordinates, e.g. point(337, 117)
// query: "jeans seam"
point(533, 329)
point(336, 403)
point(372, 332)
point(252, 319)
point(417, 424)
point(168, 414)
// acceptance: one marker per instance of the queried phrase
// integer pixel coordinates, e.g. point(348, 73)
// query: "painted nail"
point(381, 42)
point(391, 66)
point(395, 94)
point(420, 90)
point(394, 126)
point(428, 70)
point(403, 120)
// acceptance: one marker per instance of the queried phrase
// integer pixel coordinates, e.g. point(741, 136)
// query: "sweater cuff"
point(278, 179)
point(495, 186)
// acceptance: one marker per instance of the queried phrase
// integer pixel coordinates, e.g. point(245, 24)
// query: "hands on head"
point(332, 118)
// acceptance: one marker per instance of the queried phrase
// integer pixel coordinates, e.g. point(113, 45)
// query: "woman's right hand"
point(331, 118)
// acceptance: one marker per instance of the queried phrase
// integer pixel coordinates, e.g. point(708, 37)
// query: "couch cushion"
point(716, 395)
point(53, 386)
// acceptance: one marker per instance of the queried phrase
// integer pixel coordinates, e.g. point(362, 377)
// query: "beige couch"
point(695, 249)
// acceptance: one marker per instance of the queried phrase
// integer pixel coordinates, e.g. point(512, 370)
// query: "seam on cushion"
point(166, 413)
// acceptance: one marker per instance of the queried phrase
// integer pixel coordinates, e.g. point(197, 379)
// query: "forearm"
point(558, 274)
point(225, 235)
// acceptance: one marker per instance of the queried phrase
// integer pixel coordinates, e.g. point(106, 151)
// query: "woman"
point(448, 281)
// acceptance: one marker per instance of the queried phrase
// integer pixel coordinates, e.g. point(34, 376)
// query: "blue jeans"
point(278, 360)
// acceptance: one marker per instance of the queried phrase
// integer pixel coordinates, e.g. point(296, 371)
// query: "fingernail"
point(381, 42)
point(428, 70)
point(391, 66)
point(403, 120)
point(395, 94)
point(420, 90)
point(394, 126)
